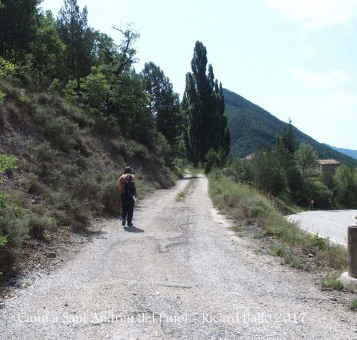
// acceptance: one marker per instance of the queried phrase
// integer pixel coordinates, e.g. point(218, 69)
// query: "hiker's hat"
point(128, 170)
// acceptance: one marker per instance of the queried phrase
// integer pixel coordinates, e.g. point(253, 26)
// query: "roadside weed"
point(187, 190)
point(331, 282)
point(353, 305)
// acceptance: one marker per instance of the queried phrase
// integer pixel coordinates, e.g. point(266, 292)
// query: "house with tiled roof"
point(327, 165)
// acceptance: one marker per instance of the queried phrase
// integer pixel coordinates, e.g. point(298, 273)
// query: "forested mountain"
point(253, 128)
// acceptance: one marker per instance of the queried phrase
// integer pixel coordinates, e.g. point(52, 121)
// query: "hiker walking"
point(126, 185)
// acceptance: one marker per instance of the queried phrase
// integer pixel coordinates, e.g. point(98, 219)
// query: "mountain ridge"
point(348, 152)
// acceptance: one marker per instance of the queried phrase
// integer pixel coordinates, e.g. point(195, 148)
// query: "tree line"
point(289, 172)
point(68, 56)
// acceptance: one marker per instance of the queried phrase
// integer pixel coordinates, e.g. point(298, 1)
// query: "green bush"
point(38, 226)
point(45, 153)
point(321, 194)
point(7, 163)
point(86, 189)
point(7, 69)
point(14, 226)
point(96, 89)
point(111, 198)
point(269, 176)
point(38, 188)
point(2, 240)
point(107, 126)
point(69, 211)
point(60, 131)
point(213, 160)
point(240, 170)
point(179, 166)
point(70, 90)
point(319, 242)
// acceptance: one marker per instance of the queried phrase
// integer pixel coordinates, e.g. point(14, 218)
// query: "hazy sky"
point(294, 58)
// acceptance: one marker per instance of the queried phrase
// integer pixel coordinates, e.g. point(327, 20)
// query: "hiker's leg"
point(124, 206)
point(130, 213)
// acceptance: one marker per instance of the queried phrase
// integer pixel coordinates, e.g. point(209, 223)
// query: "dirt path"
point(179, 274)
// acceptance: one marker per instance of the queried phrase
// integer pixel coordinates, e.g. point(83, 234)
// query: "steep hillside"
point(68, 161)
point(253, 128)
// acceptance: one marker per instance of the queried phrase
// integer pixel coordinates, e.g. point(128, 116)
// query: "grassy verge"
point(258, 215)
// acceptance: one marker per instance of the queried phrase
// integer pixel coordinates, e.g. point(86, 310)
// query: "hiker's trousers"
point(127, 209)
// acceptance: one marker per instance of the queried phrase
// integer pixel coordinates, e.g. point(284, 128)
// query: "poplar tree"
point(285, 150)
point(203, 107)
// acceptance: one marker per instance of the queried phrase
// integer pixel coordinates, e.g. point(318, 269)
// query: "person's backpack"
point(129, 187)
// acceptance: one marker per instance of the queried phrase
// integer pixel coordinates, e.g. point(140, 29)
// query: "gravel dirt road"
point(178, 274)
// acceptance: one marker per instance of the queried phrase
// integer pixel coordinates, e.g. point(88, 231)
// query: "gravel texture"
point(179, 273)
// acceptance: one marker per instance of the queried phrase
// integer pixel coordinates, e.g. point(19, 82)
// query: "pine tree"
point(47, 48)
point(72, 27)
point(203, 107)
point(164, 102)
point(17, 26)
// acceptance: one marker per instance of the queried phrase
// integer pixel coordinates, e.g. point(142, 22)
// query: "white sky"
point(294, 58)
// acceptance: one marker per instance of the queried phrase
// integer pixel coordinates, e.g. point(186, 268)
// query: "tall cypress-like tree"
point(288, 138)
point(285, 150)
point(203, 107)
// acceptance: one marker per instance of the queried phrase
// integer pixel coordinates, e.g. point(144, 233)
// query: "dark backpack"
point(129, 187)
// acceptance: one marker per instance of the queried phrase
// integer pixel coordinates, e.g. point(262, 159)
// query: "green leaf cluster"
point(6, 68)
point(2, 240)
point(7, 162)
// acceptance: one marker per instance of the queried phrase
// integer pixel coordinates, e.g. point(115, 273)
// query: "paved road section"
point(326, 223)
